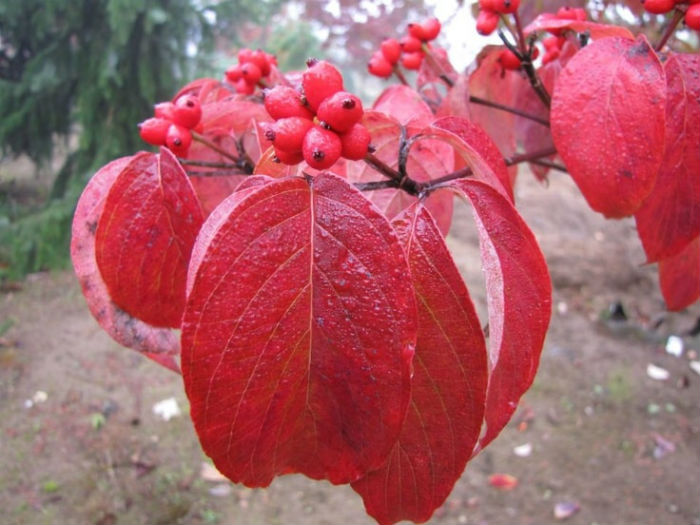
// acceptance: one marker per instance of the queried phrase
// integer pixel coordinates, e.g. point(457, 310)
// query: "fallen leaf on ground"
point(503, 481)
point(657, 373)
point(565, 509)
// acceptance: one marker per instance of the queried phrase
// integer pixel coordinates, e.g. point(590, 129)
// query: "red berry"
point(379, 66)
point(245, 55)
point(391, 50)
point(506, 6)
point(509, 60)
point(535, 53)
point(410, 44)
point(283, 102)
point(243, 87)
point(164, 110)
point(488, 5)
point(487, 22)
point(658, 7)
point(412, 60)
point(178, 140)
point(251, 72)
point(416, 31)
point(188, 111)
point(320, 81)
point(692, 16)
point(321, 148)
point(259, 58)
point(288, 157)
point(355, 142)
point(571, 13)
point(340, 111)
point(287, 134)
point(431, 28)
point(154, 130)
point(233, 74)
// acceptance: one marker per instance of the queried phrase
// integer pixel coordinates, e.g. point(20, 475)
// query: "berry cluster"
point(660, 7)
point(318, 125)
point(490, 12)
point(252, 67)
point(409, 49)
point(172, 123)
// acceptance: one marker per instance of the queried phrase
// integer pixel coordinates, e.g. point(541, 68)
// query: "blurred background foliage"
point(76, 76)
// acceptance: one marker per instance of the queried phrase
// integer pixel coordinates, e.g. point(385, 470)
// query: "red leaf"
point(448, 389)
point(212, 189)
point(531, 135)
point(405, 105)
point(670, 217)
point(233, 114)
point(428, 159)
point(206, 89)
point(503, 481)
point(144, 237)
point(490, 81)
point(456, 102)
point(595, 30)
point(679, 277)
point(474, 148)
point(519, 299)
point(298, 334)
point(608, 113)
point(161, 345)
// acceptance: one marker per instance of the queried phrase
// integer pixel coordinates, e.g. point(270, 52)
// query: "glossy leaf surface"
point(679, 277)
point(488, 80)
point(144, 238)
point(161, 345)
point(670, 217)
point(607, 118)
point(448, 390)
point(299, 333)
point(595, 30)
point(519, 297)
point(475, 149)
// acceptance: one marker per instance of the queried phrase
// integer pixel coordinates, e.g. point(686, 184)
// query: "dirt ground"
point(80, 442)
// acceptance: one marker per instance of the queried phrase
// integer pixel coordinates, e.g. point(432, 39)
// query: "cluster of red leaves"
point(326, 330)
point(624, 121)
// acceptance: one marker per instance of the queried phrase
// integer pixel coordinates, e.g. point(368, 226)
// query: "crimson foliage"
point(324, 327)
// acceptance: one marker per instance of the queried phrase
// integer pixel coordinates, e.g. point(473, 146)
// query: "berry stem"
point(520, 34)
point(399, 74)
point(678, 15)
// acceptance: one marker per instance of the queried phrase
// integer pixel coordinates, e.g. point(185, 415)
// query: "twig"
point(678, 15)
point(203, 140)
point(207, 164)
point(509, 109)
